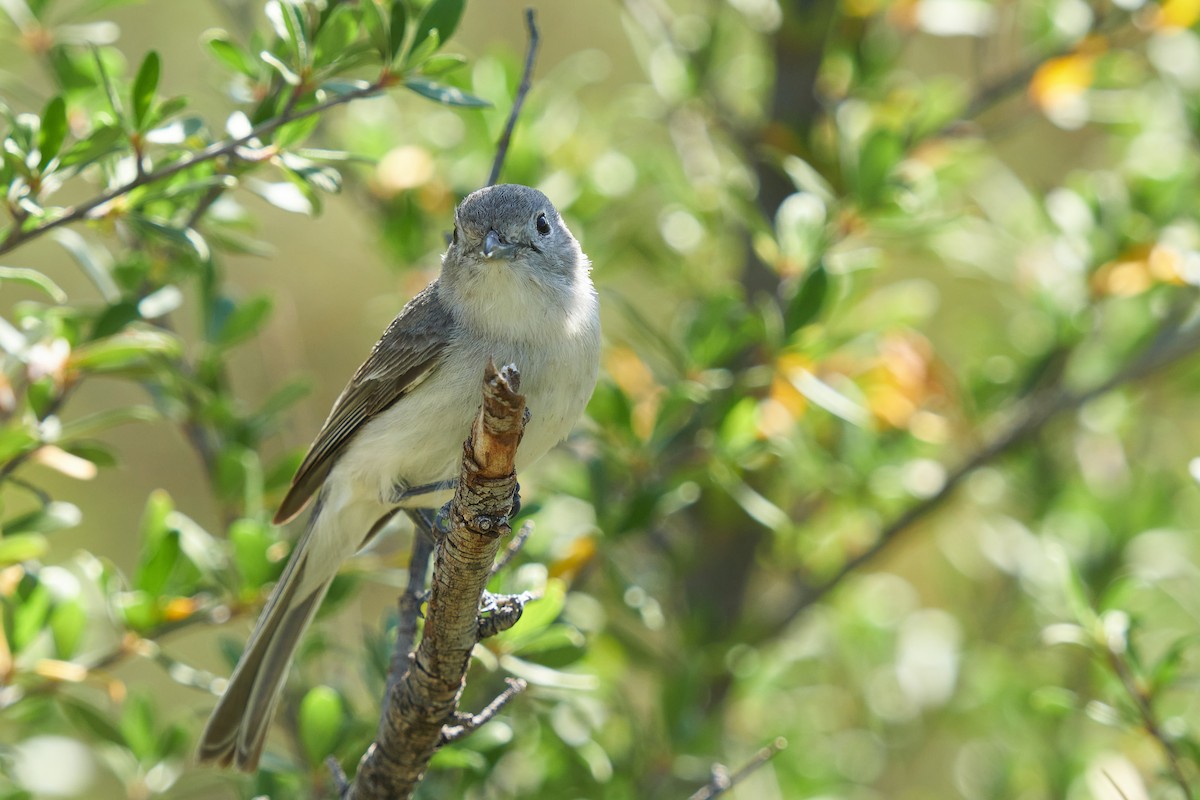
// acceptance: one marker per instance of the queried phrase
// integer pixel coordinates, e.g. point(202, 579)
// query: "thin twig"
point(722, 781)
point(465, 724)
point(513, 547)
point(1150, 722)
point(341, 783)
point(71, 214)
point(518, 101)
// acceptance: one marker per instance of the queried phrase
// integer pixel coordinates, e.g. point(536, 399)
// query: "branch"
point(468, 723)
point(71, 214)
point(426, 698)
point(1169, 347)
point(722, 781)
point(410, 601)
point(518, 100)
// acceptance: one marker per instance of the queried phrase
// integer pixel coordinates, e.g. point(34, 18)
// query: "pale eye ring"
point(543, 225)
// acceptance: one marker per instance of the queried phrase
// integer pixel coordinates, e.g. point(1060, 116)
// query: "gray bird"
point(515, 288)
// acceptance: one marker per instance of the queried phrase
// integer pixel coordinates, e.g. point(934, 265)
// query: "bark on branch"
point(426, 698)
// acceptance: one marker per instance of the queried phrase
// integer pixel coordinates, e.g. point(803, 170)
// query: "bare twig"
point(17, 236)
point(340, 782)
point(467, 723)
point(514, 547)
point(722, 781)
point(426, 697)
point(518, 100)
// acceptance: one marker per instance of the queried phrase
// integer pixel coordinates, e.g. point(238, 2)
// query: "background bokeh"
point(893, 453)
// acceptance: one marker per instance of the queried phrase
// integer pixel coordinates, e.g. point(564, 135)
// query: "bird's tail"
point(237, 730)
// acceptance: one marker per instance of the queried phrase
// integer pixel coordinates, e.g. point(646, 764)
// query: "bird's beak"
point(495, 247)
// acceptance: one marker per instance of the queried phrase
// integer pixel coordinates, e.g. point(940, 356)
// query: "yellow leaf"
point(1177, 14)
point(1062, 79)
point(179, 608)
point(578, 556)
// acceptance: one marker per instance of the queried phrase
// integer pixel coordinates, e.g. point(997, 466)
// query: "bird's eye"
point(543, 225)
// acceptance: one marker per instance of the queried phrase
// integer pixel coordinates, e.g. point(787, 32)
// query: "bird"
point(515, 287)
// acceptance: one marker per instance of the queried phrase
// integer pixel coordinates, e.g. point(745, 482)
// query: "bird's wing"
point(409, 350)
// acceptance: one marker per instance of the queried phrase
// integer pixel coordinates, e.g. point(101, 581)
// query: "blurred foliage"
point(892, 454)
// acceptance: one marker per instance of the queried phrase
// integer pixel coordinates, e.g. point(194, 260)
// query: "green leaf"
point(396, 28)
point(284, 195)
point(137, 724)
point(187, 239)
point(321, 719)
point(54, 516)
point(442, 93)
point(86, 718)
point(14, 441)
point(32, 277)
point(459, 758)
point(879, 155)
point(296, 131)
point(337, 34)
point(114, 319)
point(68, 622)
point(318, 176)
point(286, 72)
point(421, 52)
point(245, 320)
point(144, 87)
point(98, 453)
point(158, 562)
point(197, 544)
point(125, 349)
point(92, 424)
point(53, 131)
point(341, 88)
point(29, 615)
point(93, 261)
point(22, 547)
point(100, 142)
point(442, 64)
point(293, 29)
point(539, 614)
point(250, 540)
point(806, 306)
point(558, 646)
point(139, 610)
point(376, 26)
point(442, 16)
point(232, 55)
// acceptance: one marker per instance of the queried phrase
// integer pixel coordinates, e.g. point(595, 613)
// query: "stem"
point(518, 101)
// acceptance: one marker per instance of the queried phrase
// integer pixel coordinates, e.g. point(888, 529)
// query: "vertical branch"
point(518, 100)
point(426, 698)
